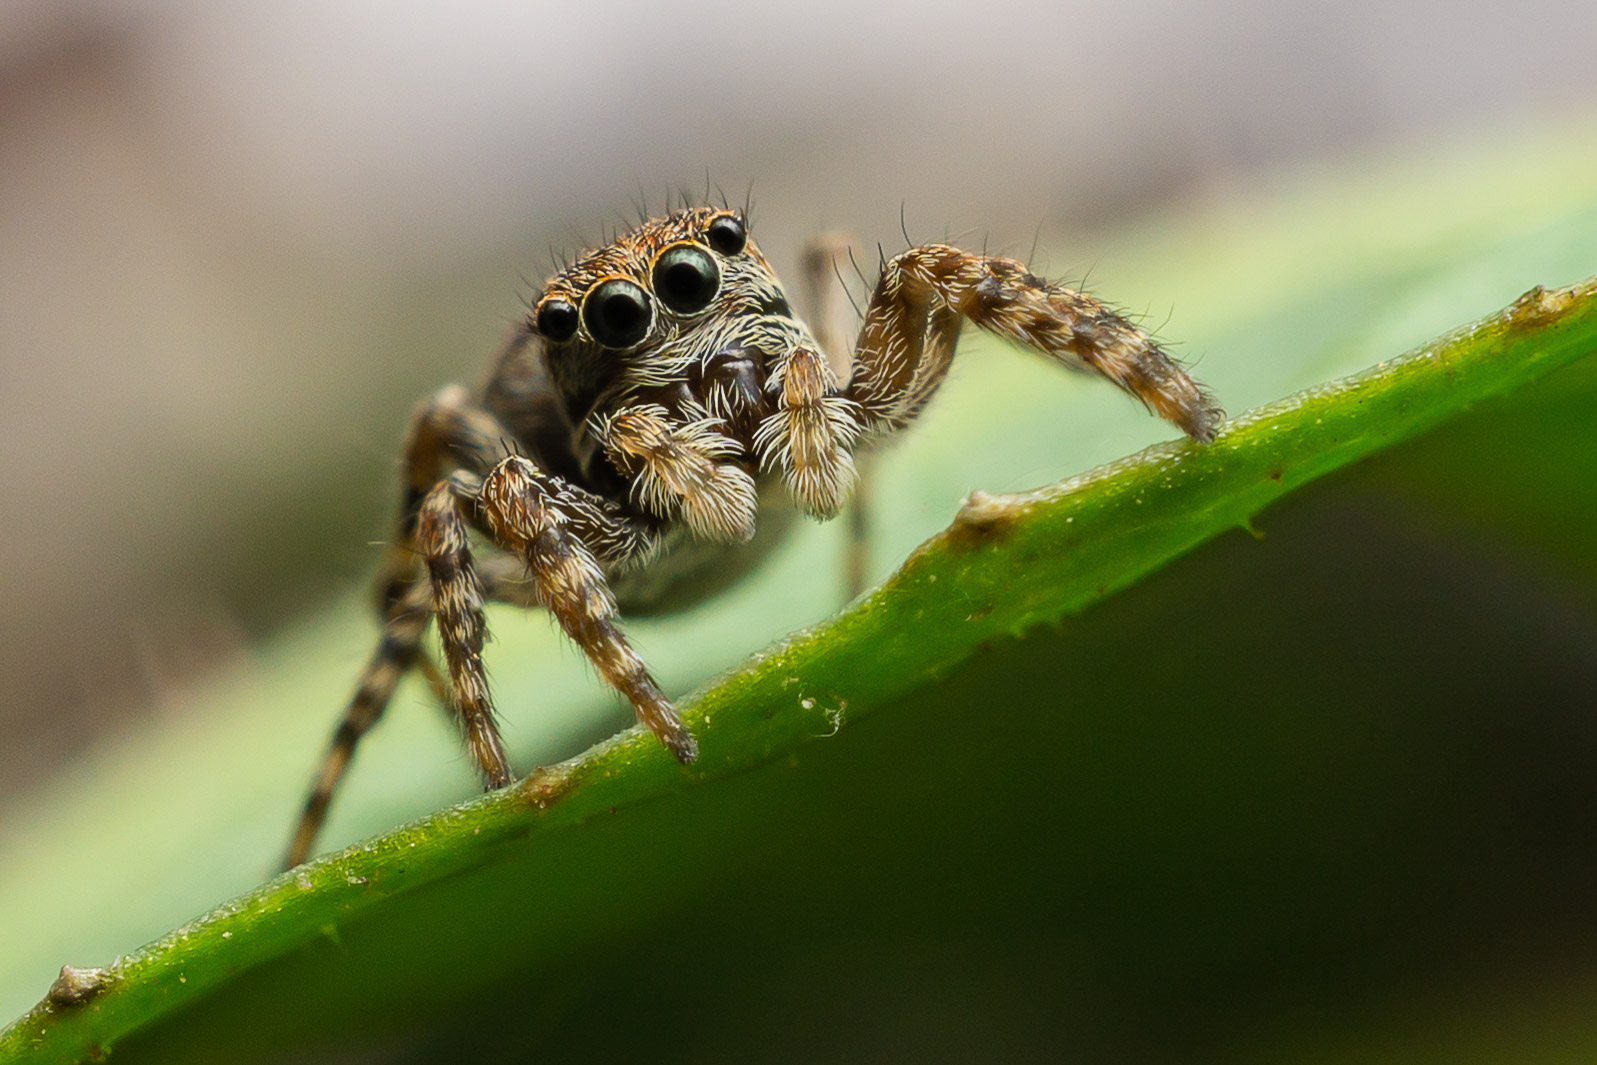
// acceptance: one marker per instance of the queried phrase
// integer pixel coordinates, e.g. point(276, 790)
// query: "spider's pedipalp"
point(682, 468)
point(810, 436)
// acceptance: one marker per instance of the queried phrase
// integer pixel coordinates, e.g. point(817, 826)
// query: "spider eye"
point(727, 235)
point(617, 313)
point(686, 278)
point(557, 320)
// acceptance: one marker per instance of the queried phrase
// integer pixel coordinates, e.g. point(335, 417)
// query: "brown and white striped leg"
point(457, 601)
point(447, 432)
point(503, 580)
point(827, 260)
point(396, 652)
point(460, 586)
point(564, 535)
point(910, 326)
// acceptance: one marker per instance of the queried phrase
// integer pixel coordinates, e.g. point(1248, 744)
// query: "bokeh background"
point(238, 241)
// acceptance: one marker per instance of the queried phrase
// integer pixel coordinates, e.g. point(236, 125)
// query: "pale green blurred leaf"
point(1128, 814)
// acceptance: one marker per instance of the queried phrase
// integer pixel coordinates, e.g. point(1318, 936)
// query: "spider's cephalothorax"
point(645, 434)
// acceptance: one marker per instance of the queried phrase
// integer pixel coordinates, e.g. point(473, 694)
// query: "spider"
point(650, 430)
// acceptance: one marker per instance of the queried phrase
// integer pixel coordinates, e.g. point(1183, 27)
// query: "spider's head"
point(659, 303)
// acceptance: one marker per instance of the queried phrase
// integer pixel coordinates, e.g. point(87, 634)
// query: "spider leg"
point(857, 550)
point(913, 322)
point(834, 317)
point(828, 307)
point(565, 535)
point(396, 651)
point(457, 600)
point(503, 579)
point(457, 594)
point(446, 431)
point(566, 576)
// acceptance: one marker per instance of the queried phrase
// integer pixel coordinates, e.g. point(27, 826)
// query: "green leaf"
point(553, 876)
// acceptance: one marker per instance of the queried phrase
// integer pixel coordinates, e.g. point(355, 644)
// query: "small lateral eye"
point(686, 278)
point(557, 320)
point(617, 313)
point(727, 235)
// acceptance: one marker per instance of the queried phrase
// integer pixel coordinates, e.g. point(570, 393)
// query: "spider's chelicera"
point(647, 434)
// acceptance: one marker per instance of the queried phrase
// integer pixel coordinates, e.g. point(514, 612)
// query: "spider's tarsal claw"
point(682, 745)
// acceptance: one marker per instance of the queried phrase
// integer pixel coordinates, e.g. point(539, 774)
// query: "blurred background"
point(237, 241)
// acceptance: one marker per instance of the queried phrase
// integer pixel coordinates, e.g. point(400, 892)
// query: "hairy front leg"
point(503, 579)
point(564, 534)
point(457, 601)
point(913, 320)
point(581, 529)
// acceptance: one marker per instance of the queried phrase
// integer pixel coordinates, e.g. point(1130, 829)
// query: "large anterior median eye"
point(617, 313)
point(686, 278)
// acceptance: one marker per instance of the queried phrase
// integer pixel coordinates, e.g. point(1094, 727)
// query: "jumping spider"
point(660, 397)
